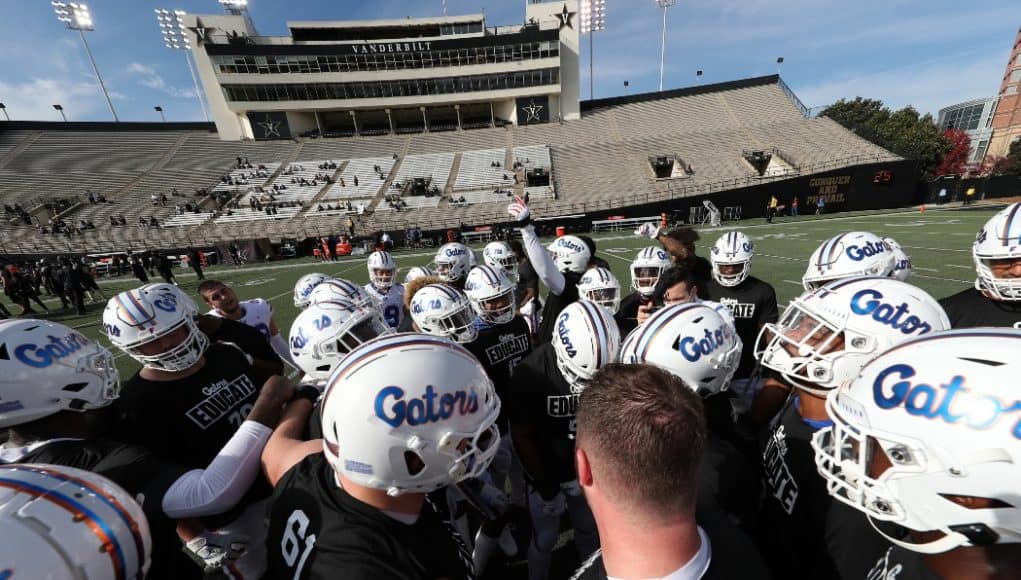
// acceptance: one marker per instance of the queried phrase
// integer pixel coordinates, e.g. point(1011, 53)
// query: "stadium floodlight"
point(593, 19)
point(779, 63)
point(175, 37)
point(60, 109)
point(3, 108)
point(159, 110)
point(698, 76)
point(78, 17)
point(663, 4)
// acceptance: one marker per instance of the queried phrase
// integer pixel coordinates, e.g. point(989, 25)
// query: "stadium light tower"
point(77, 17)
point(159, 110)
point(3, 108)
point(60, 109)
point(779, 63)
point(663, 4)
point(593, 19)
point(174, 37)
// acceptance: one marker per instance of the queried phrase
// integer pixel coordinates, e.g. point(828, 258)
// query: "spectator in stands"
point(154, 223)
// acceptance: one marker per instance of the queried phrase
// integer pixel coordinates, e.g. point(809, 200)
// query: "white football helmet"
point(826, 336)
point(570, 254)
point(999, 239)
point(137, 317)
point(417, 272)
point(691, 341)
point(926, 425)
point(183, 300)
point(63, 523)
point(303, 289)
point(325, 332)
point(599, 285)
point(901, 261)
point(48, 368)
point(732, 249)
point(585, 339)
point(847, 255)
point(500, 255)
point(410, 413)
point(453, 261)
point(382, 270)
point(646, 269)
point(441, 310)
point(340, 289)
point(491, 294)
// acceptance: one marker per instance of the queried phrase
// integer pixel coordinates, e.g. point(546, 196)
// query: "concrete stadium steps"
point(453, 141)
point(207, 151)
point(132, 152)
point(354, 147)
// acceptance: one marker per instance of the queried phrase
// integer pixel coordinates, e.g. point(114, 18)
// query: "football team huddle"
point(685, 429)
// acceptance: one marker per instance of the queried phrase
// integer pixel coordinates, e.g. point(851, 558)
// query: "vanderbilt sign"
point(382, 48)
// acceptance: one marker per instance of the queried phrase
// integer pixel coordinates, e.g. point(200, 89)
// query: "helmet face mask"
point(156, 328)
point(491, 294)
point(453, 262)
point(570, 254)
point(600, 286)
point(848, 255)
point(375, 437)
point(999, 243)
point(731, 258)
point(342, 290)
point(647, 267)
point(440, 310)
point(52, 368)
point(382, 270)
point(919, 439)
point(825, 336)
point(326, 332)
point(500, 255)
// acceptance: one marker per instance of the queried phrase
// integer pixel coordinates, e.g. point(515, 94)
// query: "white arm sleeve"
point(541, 261)
point(221, 485)
point(280, 347)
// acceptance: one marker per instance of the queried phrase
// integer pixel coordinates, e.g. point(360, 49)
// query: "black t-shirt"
point(247, 338)
point(527, 278)
point(859, 552)
point(554, 304)
point(144, 477)
point(728, 477)
point(969, 308)
point(792, 520)
point(189, 420)
point(500, 349)
point(541, 397)
point(317, 531)
point(733, 554)
point(627, 315)
point(753, 303)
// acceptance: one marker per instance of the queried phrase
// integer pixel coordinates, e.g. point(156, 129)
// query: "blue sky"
point(928, 53)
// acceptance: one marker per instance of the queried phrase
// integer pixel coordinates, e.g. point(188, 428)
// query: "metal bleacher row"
point(599, 160)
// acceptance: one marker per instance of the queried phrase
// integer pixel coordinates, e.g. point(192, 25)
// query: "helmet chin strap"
point(948, 542)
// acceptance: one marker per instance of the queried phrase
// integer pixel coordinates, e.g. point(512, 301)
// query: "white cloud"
point(148, 77)
point(34, 99)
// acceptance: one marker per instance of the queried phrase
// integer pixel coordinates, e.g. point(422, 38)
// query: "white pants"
point(546, 528)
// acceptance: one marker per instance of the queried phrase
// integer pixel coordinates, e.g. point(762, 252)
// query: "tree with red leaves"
point(960, 149)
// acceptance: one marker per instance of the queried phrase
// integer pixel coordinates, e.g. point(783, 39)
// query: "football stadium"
point(406, 305)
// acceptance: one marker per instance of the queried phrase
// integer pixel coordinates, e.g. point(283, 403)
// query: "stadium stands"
point(600, 161)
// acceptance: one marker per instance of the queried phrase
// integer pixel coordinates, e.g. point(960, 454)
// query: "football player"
point(403, 416)
point(901, 261)
point(641, 479)
point(848, 255)
point(325, 332)
point(62, 523)
point(526, 292)
point(925, 439)
point(646, 269)
point(256, 313)
point(383, 288)
point(452, 263)
point(996, 298)
point(751, 301)
point(63, 382)
point(416, 272)
point(503, 340)
point(680, 244)
point(304, 287)
point(823, 339)
point(560, 273)
point(600, 286)
point(698, 344)
point(547, 384)
point(501, 256)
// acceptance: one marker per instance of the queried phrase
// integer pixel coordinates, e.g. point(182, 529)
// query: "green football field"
point(938, 241)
